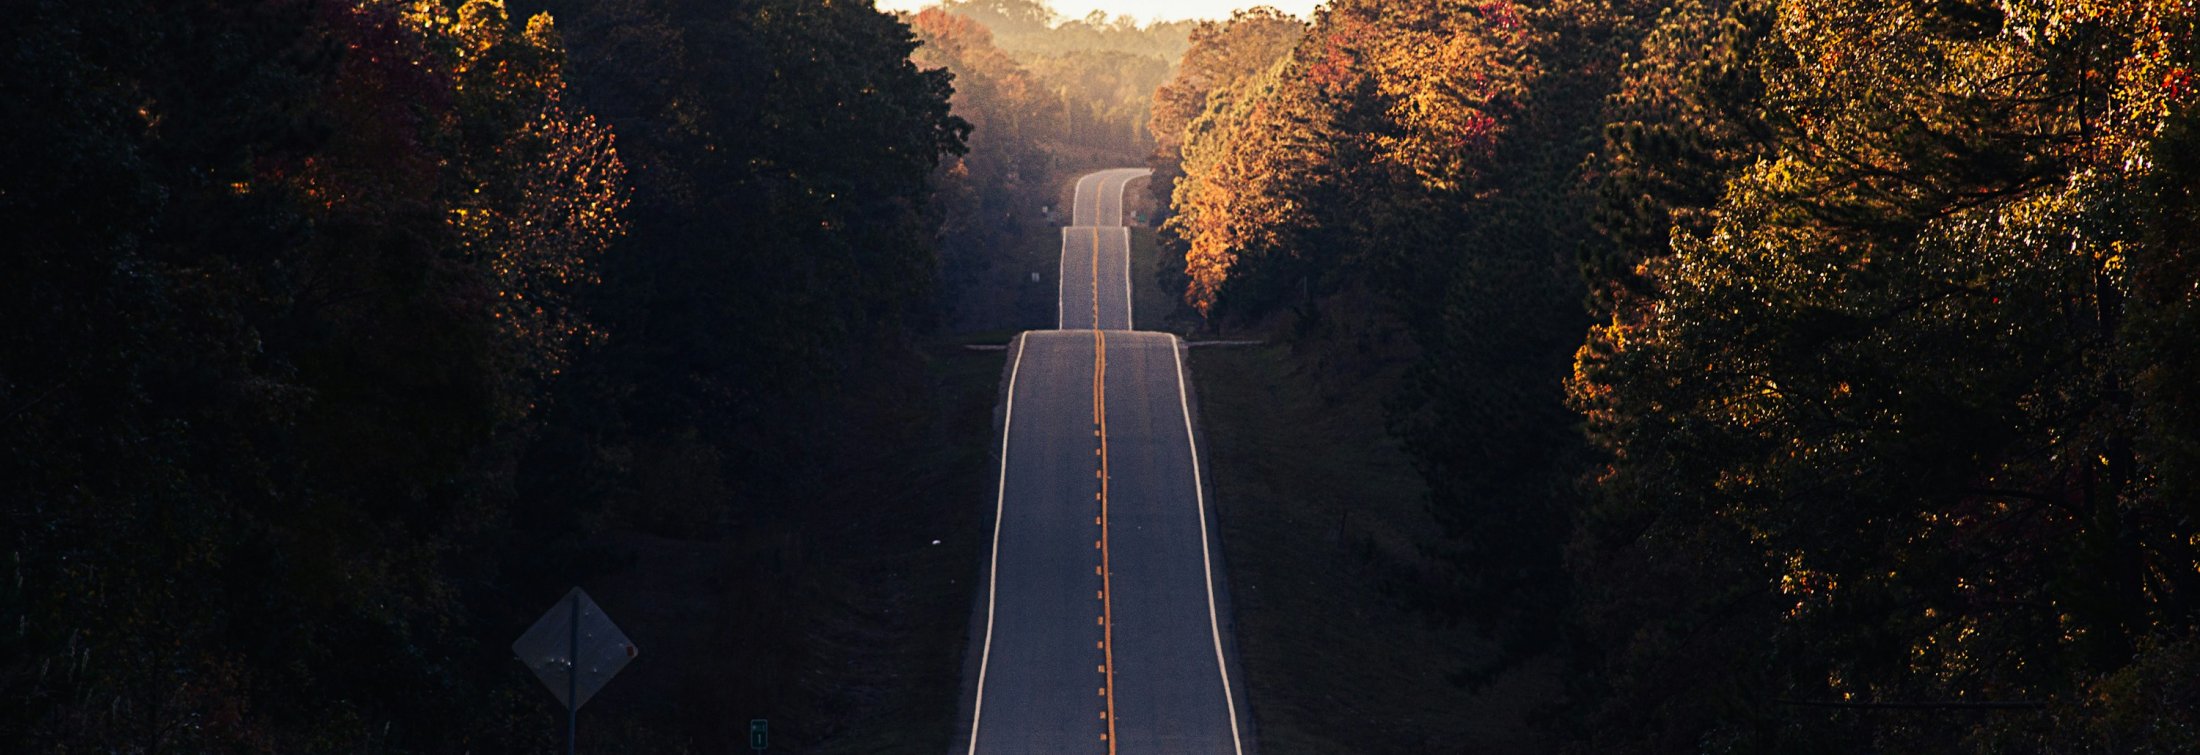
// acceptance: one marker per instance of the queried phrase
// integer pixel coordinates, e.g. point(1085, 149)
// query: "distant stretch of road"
point(1104, 619)
point(1095, 277)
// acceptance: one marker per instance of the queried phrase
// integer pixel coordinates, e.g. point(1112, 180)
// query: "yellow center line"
point(1095, 279)
point(1107, 594)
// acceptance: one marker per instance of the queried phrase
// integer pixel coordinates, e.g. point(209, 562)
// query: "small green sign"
point(760, 734)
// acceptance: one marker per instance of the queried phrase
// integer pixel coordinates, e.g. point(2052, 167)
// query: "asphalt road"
point(1095, 279)
point(1099, 197)
point(1104, 619)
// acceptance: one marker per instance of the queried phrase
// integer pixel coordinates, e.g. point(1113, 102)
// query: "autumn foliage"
point(1884, 402)
point(299, 288)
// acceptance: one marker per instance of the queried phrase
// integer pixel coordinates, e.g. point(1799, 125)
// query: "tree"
point(1412, 166)
point(1221, 54)
point(1016, 124)
point(281, 361)
point(1008, 17)
point(1875, 422)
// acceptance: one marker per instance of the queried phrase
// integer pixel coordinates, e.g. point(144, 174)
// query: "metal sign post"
point(573, 677)
point(574, 652)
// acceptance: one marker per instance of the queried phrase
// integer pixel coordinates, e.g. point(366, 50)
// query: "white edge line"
point(1061, 261)
point(1061, 269)
point(1130, 313)
point(1206, 562)
point(993, 572)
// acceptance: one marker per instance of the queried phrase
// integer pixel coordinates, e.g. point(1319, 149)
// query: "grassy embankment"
point(1151, 307)
point(1323, 524)
point(840, 622)
point(1322, 520)
point(904, 620)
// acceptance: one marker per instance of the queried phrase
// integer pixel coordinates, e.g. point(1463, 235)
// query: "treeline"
point(1878, 439)
point(1031, 27)
point(1048, 100)
point(1095, 76)
point(337, 329)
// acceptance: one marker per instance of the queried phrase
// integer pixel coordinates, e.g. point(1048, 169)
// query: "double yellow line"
point(1107, 591)
point(1095, 278)
point(1100, 430)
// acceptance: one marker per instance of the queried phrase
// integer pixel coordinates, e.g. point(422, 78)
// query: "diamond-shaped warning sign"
point(574, 649)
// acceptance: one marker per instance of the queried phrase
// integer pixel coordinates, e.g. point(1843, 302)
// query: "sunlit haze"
point(1145, 10)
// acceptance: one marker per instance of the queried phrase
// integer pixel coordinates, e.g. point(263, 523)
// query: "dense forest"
point(1807, 375)
point(1033, 28)
point(345, 330)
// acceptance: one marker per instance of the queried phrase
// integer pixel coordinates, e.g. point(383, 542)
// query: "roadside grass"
point(998, 337)
point(837, 618)
point(888, 649)
point(1321, 515)
point(1002, 297)
point(1041, 253)
point(1151, 307)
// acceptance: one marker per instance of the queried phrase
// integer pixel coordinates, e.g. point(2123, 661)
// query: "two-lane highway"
point(1094, 281)
point(1104, 623)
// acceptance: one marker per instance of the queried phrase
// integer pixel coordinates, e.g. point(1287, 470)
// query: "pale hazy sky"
point(1145, 10)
